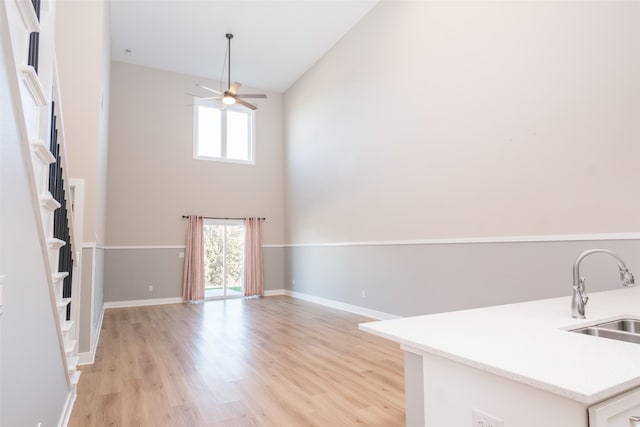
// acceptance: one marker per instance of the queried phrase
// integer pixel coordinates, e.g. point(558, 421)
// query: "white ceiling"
point(274, 42)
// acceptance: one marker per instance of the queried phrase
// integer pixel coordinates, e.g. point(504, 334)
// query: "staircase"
point(31, 30)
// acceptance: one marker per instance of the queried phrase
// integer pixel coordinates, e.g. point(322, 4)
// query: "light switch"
point(181, 255)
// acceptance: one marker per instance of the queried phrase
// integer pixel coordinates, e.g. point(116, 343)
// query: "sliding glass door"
point(223, 262)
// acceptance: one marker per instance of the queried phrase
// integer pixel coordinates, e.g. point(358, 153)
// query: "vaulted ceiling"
point(274, 42)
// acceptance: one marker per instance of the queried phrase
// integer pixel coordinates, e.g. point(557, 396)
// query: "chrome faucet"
point(580, 298)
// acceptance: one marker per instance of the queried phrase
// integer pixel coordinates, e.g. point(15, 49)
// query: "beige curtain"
point(253, 281)
point(193, 278)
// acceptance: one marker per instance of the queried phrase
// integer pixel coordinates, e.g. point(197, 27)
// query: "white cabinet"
point(619, 411)
point(444, 393)
point(451, 392)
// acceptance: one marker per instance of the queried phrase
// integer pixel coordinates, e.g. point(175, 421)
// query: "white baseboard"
point(274, 292)
point(142, 302)
point(89, 357)
point(363, 311)
point(86, 358)
point(68, 407)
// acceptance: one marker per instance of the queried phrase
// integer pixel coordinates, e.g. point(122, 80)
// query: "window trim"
point(223, 132)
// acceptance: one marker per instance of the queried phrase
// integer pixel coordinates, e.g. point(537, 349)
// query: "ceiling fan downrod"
point(229, 36)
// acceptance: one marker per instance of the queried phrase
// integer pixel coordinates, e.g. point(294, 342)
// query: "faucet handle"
point(626, 277)
point(585, 297)
point(583, 292)
point(578, 300)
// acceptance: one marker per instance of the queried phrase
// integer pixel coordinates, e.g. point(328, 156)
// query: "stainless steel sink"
point(627, 325)
point(627, 330)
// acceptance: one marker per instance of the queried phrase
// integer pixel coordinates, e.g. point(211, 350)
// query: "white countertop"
point(529, 343)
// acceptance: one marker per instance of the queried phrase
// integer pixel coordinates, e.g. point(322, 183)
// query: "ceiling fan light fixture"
point(230, 96)
point(229, 99)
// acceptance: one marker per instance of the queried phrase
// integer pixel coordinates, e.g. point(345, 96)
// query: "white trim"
point(54, 243)
point(89, 357)
point(33, 83)
point(42, 151)
point(29, 17)
point(94, 245)
point(469, 240)
point(146, 247)
point(86, 358)
point(460, 240)
point(274, 292)
point(68, 407)
point(363, 311)
point(47, 201)
point(142, 302)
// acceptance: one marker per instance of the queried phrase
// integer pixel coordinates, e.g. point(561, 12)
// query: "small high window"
point(223, 135)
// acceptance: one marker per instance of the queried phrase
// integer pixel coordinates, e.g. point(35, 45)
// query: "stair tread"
point(42, 151)
point(66, 325)
point(55, 243)
point(74, 376)
point(72, 362)
point(47, 201)
point(60, 275)
point(29, 17)
point(63, 302)
point(34, 84)
point(70, 346)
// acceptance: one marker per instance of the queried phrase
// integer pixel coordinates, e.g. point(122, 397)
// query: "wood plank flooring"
point(274, 361)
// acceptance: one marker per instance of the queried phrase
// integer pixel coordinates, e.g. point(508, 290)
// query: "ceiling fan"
point(230, 96)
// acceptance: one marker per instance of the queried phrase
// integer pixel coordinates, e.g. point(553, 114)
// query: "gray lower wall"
point(129, 272)
point(273, 259)
point(91, 290)
point(86, 290)
point(98, 291)
point(419, 279)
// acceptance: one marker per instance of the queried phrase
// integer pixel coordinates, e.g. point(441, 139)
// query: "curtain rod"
point(216, 217)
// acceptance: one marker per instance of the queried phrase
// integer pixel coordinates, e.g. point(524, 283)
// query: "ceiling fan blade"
point(209, 102)
point(234, 87)
point(251, 95)
point(246, 104)
point(201, 98)
point(209, 89)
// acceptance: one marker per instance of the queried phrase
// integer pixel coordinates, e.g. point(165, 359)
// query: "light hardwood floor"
point(274, 361)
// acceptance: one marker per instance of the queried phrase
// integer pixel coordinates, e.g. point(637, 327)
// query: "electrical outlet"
point(364, 294)
point(293, 282)
point(480, 419)
point(150, 288)
point(180, 254)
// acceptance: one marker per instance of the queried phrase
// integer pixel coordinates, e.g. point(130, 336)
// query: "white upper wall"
point(153, 178)
point(464, 119)
point(83, 51)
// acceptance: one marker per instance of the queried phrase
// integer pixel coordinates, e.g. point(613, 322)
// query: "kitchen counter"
point(529, 343)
